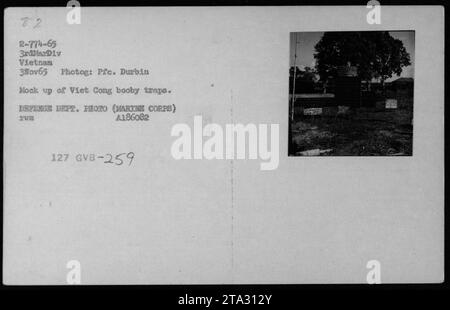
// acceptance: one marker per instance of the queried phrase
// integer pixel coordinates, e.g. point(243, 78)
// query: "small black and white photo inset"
point(351, 93)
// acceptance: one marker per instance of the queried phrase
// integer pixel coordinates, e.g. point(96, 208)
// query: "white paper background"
point(313, 220)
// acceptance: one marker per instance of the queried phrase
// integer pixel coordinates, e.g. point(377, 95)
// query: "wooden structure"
point(348, 87)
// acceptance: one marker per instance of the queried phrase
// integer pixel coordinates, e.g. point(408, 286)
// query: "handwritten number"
point(109, 161)
point(118, 158)
point(25, 21)
point(38, 22)
point(130, 156)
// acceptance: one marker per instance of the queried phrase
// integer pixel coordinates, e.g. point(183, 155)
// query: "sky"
point(307, 41)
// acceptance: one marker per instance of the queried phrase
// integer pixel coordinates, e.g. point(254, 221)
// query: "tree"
point(376, 54)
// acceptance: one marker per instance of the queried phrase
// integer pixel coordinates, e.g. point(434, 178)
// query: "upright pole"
point(291, 110)
point(295, 75)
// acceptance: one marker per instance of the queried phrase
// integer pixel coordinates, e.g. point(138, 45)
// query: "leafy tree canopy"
point(376, 54)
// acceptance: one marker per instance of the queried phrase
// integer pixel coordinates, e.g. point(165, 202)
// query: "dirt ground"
point(363, 132)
